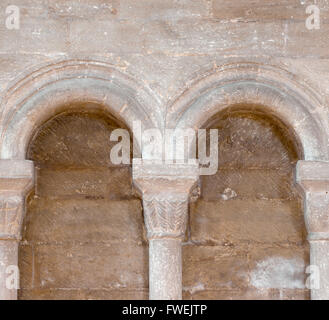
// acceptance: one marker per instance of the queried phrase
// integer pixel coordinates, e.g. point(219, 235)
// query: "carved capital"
point(165, 190)
point(16, 177)
point(165, 217)
point(313, 179)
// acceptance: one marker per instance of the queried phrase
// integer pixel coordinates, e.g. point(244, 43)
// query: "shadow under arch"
point(88, 110)
point(47, 91)
point(287, 136)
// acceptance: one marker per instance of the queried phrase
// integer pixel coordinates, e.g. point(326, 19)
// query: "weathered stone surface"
point(248, 294)
point(278, 267)
point(33, 35)
point(69, 9)
point(251, 141)
point(179, 28)
point(190, 36)
point(13, 64)
point(212, 267)
point(247, 221)
point(244, 272)
point(247, 184)
point(162, 10)
point(82, 294)
point(109, 183)
point(76, 139)
point(265, 11)
point(84, 220)
point(129, 10)
point(25, 264)
point(89, 266)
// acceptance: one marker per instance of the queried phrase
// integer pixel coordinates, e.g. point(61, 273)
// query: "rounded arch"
point(272, 89)
point(49, 90)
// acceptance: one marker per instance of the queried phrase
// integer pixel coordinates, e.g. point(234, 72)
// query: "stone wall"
point(248, 217)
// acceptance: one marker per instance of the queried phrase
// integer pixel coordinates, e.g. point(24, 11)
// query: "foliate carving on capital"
point(165, 189)
point(165, 217)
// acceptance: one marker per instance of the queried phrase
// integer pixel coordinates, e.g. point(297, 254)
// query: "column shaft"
point(165, 258)
point(319, 258)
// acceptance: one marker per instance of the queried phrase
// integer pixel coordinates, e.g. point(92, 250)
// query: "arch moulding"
point(45, 92)
point(271, 88)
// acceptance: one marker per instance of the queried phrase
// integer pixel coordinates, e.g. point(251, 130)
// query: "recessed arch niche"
point(82, 235)
point(247, 235)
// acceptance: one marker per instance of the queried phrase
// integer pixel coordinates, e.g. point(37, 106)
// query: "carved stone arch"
point(45, 92)
point(274, 89)
point(295, 104)
point(38, 97)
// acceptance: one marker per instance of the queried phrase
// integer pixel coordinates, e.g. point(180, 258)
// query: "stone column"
point(165, 190)
point(16, 177)
point(313, 179)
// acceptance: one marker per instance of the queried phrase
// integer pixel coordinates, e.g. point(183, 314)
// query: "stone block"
point(102, 36)
point(91, 9)
point(88, 266)
point(84, 221)
point(162, 10)
point(260, 221)
point(109, 183)
point(264, 184)
point(34, 36)
point(212, 267)
point(263, 10)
